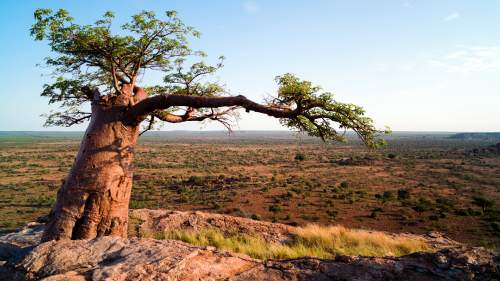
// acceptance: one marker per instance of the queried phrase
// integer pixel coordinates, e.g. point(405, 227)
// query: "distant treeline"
point(245, 136)
point(476, 136)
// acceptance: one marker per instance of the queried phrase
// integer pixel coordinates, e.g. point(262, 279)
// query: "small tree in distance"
point(91, 64)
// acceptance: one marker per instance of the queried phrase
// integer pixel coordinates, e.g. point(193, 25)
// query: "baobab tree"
point(92, 64)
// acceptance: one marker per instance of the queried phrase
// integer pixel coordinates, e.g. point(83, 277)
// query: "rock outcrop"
point(159, 220)
point(114, 258)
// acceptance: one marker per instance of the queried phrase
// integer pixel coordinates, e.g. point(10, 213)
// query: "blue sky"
point(413, 65)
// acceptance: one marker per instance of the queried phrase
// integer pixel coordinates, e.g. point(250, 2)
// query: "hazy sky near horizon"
point(413, 65)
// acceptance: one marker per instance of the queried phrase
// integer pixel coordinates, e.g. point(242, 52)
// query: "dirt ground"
point(416, 184)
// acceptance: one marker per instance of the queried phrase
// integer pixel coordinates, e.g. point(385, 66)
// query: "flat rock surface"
point(113, 258)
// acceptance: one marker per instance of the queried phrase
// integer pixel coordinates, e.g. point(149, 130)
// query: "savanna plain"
point(419, 182)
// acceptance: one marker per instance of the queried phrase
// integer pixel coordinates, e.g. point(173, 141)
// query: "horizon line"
point(233, 131)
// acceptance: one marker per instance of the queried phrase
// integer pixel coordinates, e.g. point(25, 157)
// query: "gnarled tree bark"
point(93, 199)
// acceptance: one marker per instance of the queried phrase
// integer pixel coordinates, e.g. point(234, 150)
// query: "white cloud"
point(250, 7)
point(469, 59)
point(452, 16)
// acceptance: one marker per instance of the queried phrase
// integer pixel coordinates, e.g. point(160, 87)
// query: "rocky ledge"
point(112, 258)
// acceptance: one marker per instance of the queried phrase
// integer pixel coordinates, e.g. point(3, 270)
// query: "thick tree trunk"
point(94, 198)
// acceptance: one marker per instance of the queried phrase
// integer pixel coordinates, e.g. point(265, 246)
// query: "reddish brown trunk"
point(93, 200)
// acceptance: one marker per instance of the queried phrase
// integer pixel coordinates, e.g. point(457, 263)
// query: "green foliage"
point(275, 208)
point(423, 205)
point(256, 217)
point(147, 43)
point(92, 57)
point(495, 226)
point(388, 196)
point(445, 204)
point(319, 114)
point(483, 202)
point(403, 194)
point(300, 156)
point(468, 212)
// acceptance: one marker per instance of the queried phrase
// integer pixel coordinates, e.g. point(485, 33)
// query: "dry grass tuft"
point(345, 241)
point(311, 240)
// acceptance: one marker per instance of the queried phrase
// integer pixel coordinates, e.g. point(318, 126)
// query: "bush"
point(422, 205)
point(275, 208)
point(445, 204)
point(388, 196)
point(217, 205)
point(433, 217)
point(332, 213)
point(403, 194)
point(468, 212)
point(462, 212)
point(495, 226)
point(375, 212)
point(300, 156)
point(196, 180)
point(483, 202)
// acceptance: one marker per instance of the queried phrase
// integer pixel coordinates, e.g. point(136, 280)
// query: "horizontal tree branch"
point(139, 111)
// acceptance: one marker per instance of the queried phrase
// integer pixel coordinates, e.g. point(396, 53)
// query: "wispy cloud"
point(453, 16)
point(407, 4)
point(469, 59)
point(250, 7)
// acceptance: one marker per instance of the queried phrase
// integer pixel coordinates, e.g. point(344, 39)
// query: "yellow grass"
point(311, 240)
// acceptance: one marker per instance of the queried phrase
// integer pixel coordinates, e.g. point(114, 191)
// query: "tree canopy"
point(93, 62)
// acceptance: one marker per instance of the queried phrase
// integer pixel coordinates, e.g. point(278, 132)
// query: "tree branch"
point(139, 111)
point(189, 115)
point(150, 125)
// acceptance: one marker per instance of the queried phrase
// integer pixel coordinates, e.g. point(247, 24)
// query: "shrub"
point(445, 204)
point(388, 196)
point(422, 205)
point(495, 226)
point(255, 217)
point(375, 212)
point(433, 217)
point(332, 213)
point(403, 194)
point(217, 205)
point(483, 202)
point(275, 208)
point(300, 156)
